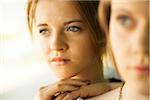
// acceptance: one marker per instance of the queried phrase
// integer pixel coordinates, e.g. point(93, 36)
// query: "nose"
point(58, 43)
point(141, 40)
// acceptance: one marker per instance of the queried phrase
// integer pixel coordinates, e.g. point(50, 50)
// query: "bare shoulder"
point(111, 95)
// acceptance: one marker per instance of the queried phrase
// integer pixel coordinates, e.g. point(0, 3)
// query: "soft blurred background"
point(21, 70)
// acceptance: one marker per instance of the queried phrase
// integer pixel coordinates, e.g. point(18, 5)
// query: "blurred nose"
point(58, 42)
point(141, 39)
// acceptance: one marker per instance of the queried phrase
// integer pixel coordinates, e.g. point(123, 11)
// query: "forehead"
point(56, 8)
point(137, 6)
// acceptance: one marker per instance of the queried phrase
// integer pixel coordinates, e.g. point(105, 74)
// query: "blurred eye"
point(43, 31)
point(126, 21)
point(73, 29)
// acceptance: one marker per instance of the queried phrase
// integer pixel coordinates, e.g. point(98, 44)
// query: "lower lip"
point(60, 63)
point(142, 70)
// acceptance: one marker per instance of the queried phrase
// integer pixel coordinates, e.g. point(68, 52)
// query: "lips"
point(59, 61)
point(142, 69)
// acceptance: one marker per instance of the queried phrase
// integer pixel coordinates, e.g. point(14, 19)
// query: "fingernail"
point(79, 98)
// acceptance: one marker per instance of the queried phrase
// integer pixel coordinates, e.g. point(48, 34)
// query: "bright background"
point(21, 70)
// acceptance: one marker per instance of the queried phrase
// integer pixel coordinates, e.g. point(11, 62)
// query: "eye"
point(73, 29)
point(126, 21)
point(43, 31)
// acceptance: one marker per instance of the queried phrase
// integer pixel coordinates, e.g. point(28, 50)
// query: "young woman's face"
point(64, 37)
point(129, 38)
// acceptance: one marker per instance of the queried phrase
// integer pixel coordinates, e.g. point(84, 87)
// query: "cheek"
point(41, 45)
point(82, 50)
point(116, 43)
point(119, 49)
point(45, 47)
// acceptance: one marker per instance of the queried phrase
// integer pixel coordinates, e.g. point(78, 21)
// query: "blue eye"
point(125, 21)
point(73, 28)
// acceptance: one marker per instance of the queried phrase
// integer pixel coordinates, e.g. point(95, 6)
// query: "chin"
point(144, 91)
point(64, 75)
point(143, 88)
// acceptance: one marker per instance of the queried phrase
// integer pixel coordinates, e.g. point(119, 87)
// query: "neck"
point(131, 93)
point(93, 73)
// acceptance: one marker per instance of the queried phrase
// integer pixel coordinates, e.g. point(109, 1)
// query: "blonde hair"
point(31, 6)
point(104, 18)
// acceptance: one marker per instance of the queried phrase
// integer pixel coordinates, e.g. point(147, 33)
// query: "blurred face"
point(64, 37)
point(129, 38)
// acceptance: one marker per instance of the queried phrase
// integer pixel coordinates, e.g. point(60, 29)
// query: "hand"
point(86, 91)
point(59, 89)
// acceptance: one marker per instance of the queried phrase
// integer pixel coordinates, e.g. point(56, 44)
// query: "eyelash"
point(43, 31)
point(73, 28)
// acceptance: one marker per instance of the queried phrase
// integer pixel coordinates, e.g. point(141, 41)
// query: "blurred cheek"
point(114, 42)
point(117, 46)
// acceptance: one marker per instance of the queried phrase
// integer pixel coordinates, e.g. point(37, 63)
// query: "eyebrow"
point(122, 10)
point(67, 22)
point(43, 24)
point(75, 20)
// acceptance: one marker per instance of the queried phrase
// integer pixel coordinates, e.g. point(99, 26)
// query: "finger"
point(68, 97)
point(75, 94)
point(75, 82)
point(61, 96)
point(87, 91)
point(48, 92)
point(113, 85)
point(51, 91)
point(80, 98)
point(61, 86)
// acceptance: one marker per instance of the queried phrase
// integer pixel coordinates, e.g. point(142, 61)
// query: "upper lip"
point(58, 59)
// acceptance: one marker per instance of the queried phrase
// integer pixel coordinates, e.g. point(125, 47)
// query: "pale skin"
point(64, 35)
point(129, 37)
